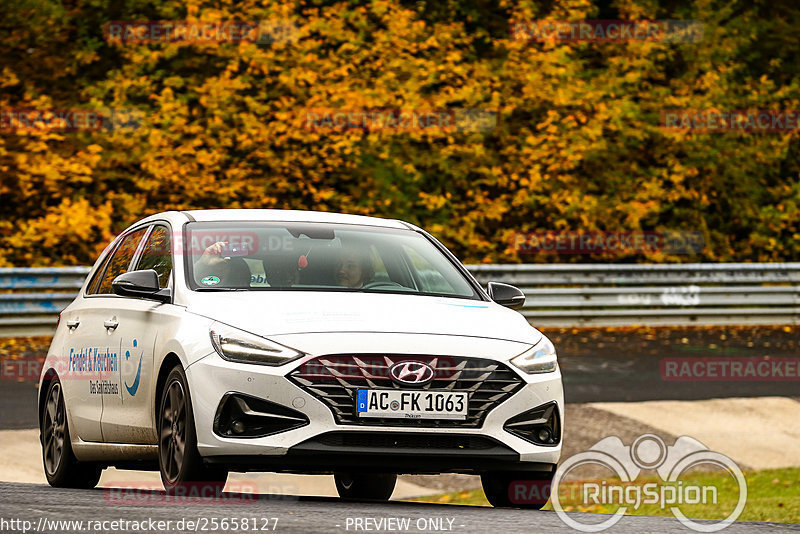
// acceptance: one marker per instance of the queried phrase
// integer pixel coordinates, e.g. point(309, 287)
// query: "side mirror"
point(140, 284)
point(506, 295)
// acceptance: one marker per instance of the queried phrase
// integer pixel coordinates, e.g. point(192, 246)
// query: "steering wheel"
point(379, 283)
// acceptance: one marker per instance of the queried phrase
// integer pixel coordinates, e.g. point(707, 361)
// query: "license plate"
point(401, 404)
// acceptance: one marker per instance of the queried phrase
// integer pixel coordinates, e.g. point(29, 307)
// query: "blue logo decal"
point(132, 389)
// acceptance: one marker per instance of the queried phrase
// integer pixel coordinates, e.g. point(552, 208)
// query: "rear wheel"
point(377, 487)
point(517, 489)
point(179, 461)
point(60, 466)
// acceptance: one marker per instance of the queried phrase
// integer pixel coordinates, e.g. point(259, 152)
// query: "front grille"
point(395, 440)
point(335, 380)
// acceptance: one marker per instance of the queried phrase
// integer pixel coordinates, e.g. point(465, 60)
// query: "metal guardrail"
point(556, 294)
point(30, 299)
point(653, 295)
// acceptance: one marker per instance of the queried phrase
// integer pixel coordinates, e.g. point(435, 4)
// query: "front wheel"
point(60, 466)
point(179, 461)
point(377, 487)
point(517, 490)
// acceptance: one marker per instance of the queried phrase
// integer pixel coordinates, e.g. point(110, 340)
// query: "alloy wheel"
point(53, 430)
point(173, 431)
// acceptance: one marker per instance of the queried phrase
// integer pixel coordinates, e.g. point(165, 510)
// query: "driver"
point(354, 268)
point(217, 260)
point(282, 271)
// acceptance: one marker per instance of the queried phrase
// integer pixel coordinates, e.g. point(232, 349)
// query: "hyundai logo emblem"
point(416, 373)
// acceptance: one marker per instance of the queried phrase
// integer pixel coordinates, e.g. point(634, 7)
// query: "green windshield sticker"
point(210, 281)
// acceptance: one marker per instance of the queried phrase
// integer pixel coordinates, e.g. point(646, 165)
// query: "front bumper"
point(324, 455)
point(325, 445)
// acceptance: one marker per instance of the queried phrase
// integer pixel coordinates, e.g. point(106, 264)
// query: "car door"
point(92, 354)
point(129, 416)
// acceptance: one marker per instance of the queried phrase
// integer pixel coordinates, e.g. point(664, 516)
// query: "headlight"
point(541, 358)
point(239, 346)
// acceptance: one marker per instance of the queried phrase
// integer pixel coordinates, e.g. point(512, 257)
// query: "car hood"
point(280, 313)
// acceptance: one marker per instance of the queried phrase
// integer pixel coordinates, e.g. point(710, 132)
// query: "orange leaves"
point(576, 143)
point(67, 233)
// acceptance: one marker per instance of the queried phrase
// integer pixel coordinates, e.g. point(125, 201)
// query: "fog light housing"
point(540, 425)
point(244, 416)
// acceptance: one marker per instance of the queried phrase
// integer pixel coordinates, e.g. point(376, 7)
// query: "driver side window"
point(120, 261)
point(157, 255)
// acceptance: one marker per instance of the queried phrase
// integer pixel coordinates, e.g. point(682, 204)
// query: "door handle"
point(73, 323)
point(111, 324)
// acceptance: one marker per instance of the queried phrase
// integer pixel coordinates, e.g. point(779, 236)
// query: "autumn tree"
point(577, 143)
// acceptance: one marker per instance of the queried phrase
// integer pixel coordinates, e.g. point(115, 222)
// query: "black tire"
point(376, 487)
point(180, 463)
point(60, 466)
point(529, 490)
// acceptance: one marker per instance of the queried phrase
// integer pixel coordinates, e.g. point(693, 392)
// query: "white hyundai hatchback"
point(204, 342)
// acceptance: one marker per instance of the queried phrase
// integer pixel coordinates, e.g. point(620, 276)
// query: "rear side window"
point(120, 261)
point(156, 255)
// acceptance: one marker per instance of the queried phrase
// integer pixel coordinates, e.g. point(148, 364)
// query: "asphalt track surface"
point(18, 405)
point(633, 377)
point(608, 369)
point(41, 505)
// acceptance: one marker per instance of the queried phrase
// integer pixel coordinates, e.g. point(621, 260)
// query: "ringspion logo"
point(649, 452)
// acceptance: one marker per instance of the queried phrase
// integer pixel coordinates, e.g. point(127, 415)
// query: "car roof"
point(292, 216)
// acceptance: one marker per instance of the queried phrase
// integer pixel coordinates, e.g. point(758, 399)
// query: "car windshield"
point(267, 256)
